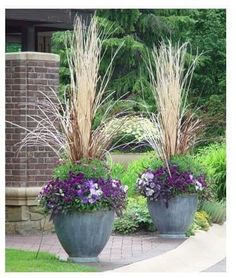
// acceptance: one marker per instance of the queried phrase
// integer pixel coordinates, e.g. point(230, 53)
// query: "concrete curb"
point(194, 255)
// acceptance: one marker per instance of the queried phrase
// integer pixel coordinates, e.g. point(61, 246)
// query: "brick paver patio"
point(119, 251)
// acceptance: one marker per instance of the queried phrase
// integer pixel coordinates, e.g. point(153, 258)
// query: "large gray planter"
point(174, 220)
point(84, 235)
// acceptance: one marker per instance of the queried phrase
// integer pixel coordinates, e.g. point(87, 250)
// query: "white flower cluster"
point(136, 126)
point(94, 192)
point(146, 183)
point(198, 185)
point(116, 183)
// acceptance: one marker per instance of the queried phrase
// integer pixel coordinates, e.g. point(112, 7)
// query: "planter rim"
point(181, 195)
point(83, 212)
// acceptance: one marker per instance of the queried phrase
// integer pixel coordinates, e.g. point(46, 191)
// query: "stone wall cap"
point(21, 196)
point(39, 56)
point(22, 191)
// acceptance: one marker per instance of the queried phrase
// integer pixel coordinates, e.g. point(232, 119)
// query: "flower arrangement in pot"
point(171, 189)
point(82, 206)
point(172, 195)
point(81, 197)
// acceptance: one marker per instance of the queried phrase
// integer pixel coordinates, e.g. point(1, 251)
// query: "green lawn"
point(25, 261)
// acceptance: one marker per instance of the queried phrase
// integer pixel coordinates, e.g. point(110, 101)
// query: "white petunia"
point(198, 185)
point(125, 188)
point(149, 191)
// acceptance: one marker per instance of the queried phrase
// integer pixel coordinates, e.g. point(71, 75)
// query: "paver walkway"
point(119, 251)
point(146, 252)
point(198, 253)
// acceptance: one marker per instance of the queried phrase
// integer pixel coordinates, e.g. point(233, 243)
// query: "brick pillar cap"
point(32, 56)
point(18, 196)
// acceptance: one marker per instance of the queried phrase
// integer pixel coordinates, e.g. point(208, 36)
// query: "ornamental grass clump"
point(177, 127)
point(164, 183)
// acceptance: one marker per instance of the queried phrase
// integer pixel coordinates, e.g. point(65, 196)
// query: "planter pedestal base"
point(83, 260)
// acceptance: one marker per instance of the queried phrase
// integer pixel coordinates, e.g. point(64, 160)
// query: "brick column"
point(27, 73)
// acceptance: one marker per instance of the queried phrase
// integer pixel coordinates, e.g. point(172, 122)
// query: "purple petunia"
point(162, 184)
point(81, 194)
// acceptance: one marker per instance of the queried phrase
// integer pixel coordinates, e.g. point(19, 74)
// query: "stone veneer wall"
point(27, 73)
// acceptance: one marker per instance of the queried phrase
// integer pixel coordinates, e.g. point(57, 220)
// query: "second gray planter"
point(174, 220)
point(84, 235)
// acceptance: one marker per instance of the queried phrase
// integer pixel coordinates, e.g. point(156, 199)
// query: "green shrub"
point(188, 163)
point(201, 221)
point(136, 218)
point(216, 211)
point(136, 168)
point(213, 159)
point(125, 225)
point(117, 171)
point(91, 169)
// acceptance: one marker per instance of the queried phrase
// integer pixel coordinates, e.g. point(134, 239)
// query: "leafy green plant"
point(189, 163)
point(117, 171)
point(201, 221)
point(125, 225)
point(135, 218)
point(213, 159)
point(130, 176)
point(90, 168)
point(216, 211)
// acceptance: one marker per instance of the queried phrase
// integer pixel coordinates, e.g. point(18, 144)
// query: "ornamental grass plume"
point(177, 127)
point(66, 127)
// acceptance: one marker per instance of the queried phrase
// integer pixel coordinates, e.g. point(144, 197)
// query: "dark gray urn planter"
point(84, 235)
point(174, 220)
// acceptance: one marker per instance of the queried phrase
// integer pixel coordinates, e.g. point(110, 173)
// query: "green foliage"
point(25, 261)
point(201, 221)
point(90, 169)
point(136, 218)
point(13, 47)
point(216, 211)
point(213, 159)
point(58, 47)
point(135, 168)
point(117, 171)
point(188, 163)
point(210, 212)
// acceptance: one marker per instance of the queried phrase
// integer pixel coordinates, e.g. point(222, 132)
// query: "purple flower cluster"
point(162, 184)
point(81, 194)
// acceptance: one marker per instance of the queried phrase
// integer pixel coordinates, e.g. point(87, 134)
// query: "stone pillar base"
point(23, 215)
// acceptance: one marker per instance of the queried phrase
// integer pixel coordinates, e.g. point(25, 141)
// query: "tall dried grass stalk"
point(67, 128)
point(170, 81)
